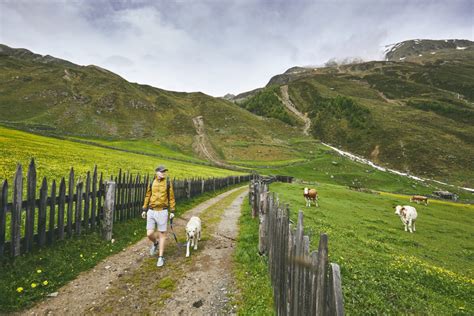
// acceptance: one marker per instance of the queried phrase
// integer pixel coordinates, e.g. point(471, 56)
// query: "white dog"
point(193, 233)
point(408, 216)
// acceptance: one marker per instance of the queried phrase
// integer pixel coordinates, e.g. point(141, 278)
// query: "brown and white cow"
point(408, 216)
point(419, 198)
point(310, 195)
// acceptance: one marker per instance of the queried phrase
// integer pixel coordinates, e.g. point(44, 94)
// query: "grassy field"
point(250, 269)
point(54, 158)
point(147, 147)
point(386, 270)
point(326, 166)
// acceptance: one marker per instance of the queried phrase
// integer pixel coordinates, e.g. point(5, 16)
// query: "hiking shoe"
point(153, 248)
point(160, 262)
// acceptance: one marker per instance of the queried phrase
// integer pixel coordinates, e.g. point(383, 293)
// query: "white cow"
point(408, 216)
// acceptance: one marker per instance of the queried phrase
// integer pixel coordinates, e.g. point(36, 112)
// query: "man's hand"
point(144, 214)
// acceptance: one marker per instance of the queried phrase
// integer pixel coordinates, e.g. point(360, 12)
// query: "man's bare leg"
point(162, 238)
point(151, 234)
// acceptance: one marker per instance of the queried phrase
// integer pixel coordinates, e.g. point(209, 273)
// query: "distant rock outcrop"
point(417, 47)
point(291, 74)
point(228, 96)
point(241, 97)
point(28, 55)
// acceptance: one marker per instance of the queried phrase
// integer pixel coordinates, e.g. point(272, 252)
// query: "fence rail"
point(303, 283)
point(77, 206)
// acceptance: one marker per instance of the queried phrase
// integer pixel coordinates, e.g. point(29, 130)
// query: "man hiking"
point(159, 199)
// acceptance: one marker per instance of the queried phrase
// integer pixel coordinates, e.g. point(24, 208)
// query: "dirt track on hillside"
point(290, 106)
point(202, 145)
point(130, 283)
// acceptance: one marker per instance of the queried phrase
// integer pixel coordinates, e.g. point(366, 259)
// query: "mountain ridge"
point(389, 111)
point(50, 96)
point(415, 115)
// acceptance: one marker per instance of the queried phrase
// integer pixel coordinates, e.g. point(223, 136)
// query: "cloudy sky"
point(222, 46)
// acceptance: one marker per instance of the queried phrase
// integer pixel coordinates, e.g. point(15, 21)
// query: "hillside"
point(414, 115)
point(54, 157)
point(51, 96)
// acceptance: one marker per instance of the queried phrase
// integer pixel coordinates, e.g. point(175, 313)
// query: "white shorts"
point(156, 219)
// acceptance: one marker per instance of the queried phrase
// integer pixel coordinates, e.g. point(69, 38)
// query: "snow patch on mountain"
point(380, 168)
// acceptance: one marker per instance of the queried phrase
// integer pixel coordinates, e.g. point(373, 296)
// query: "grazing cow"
point(311, 195)
point(419, 198)
point(408, 216)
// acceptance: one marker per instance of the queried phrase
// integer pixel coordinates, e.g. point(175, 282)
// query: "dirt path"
point(130, 283)
point(290, 106)
point(208, 285)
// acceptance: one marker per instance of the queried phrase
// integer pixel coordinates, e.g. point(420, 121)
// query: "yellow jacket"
point(156, 197)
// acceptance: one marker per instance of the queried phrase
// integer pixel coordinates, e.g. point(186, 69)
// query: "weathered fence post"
point(42, 214)
point(70, 201)
point(78, 214)
point(109, 207)
point(16, 212)
point(61, 203)
point(251, 184)
point(263, 216)
point(321, 278)
point(335, 298)
point(30, 206)
point(52, 212)
point(189, 188)
point(3, 215)
point(256, 186)
point(94, 199)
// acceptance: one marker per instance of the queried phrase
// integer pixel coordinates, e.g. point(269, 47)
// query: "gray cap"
point(161, 168)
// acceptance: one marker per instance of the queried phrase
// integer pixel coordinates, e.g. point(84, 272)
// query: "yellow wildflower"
point(38, 271)
point(45, 282)
point(33, 285)
point(19, 289)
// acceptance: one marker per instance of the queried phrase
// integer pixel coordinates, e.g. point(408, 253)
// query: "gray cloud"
point(222, 46)
point(118, 61)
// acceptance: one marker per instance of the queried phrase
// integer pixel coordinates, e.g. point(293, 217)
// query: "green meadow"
point(146, 147)
point(323, 165)
point(255, 294)
point(386, 270)
point(380, 263)
point(54, 157)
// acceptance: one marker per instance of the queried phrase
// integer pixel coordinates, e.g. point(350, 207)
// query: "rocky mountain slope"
point(415, 48)
point(413, 113)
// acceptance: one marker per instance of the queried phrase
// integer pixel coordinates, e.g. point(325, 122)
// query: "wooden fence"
point(303, 283)
point(77, 206)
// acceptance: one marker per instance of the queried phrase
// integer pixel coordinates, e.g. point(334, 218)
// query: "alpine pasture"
point(54, 157)
point(386, 270)
point(96, 118)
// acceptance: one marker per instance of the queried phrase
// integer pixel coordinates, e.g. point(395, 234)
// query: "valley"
point(412, 116)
